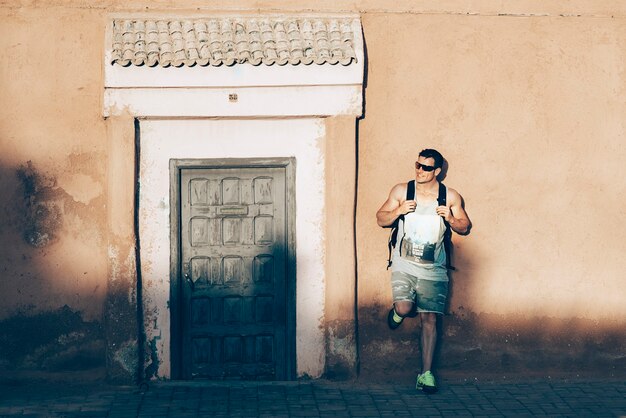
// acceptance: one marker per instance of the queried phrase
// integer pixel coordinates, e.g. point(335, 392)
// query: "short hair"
point(434, 154)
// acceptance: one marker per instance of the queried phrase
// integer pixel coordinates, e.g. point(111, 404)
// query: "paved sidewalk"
point(318, 398)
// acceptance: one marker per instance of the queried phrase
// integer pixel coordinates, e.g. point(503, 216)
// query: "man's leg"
point(431, 297)
point(403, 289)
point(426, 380)
point(400, 310)
point(403, 308)
point(429, 339)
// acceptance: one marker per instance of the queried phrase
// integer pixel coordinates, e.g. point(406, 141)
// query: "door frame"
point(176, 165)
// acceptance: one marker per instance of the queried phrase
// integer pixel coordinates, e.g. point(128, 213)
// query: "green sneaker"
point(426, 382)
point(393, 319)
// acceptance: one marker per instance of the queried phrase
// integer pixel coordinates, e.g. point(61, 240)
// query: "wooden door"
point(233, 270)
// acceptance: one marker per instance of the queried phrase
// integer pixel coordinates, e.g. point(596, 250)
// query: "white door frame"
point(302, 139)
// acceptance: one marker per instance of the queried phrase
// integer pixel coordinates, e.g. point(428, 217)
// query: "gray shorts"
point(428, 295)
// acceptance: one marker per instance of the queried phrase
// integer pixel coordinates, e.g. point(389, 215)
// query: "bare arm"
point(455, 214)
point(395, 205)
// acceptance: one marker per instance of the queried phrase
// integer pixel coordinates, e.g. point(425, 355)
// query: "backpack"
point(441, 201)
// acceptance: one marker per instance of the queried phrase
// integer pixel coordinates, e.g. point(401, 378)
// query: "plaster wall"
point(299, 138)
point(525, 99)
point(340, 316)
point(53, 188)
point(608, 8)
point(529, 112)
point(53, 156)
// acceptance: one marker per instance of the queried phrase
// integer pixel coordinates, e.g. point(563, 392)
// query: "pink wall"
point(526, 101)
point(529, 113)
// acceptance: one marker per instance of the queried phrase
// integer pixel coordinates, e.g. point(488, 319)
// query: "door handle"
point(191, 283)
point(187, 276)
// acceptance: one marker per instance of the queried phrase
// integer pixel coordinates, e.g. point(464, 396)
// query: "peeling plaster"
point(122, 315)
point(126, 357)
point(46, 205)
point(81, 187)
point(41, 212)
point(341, 355)
point(342, 347)
point(152, 368)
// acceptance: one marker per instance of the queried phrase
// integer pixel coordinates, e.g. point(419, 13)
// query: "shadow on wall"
point(50, 341)
point(32, 338)
point(483, 345)
point(492, 346)
point(38, 209)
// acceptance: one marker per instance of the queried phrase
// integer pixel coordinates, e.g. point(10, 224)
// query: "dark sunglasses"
point(424, 167)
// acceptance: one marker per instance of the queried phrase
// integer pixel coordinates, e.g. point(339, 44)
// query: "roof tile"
point(229, 41)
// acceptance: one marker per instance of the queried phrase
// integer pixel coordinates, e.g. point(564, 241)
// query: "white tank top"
point(419, 250)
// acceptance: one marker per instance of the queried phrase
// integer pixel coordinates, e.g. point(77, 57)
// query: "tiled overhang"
point(233, 40)
point(252, 65)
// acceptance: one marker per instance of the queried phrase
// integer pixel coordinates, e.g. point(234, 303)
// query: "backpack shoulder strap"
point(410, 194)
point(410, 190)
point(447, 242)
point(442, 201)
point(442, 197)
point(393, 235)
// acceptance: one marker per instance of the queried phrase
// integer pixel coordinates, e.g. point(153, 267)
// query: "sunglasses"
point(424, 167)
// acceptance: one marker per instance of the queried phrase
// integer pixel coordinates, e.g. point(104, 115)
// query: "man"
point(419, 275)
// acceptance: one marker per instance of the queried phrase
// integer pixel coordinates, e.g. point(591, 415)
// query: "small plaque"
point(232, 210)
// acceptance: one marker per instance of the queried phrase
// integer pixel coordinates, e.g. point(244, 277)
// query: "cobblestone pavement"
point(318, 398)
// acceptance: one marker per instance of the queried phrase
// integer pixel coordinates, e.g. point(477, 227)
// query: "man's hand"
point(459, 222)
point(392, 208)
point(407, 207)
point(445, 213)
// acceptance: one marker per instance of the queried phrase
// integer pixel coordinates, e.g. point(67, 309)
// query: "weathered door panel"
point(233, 256)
